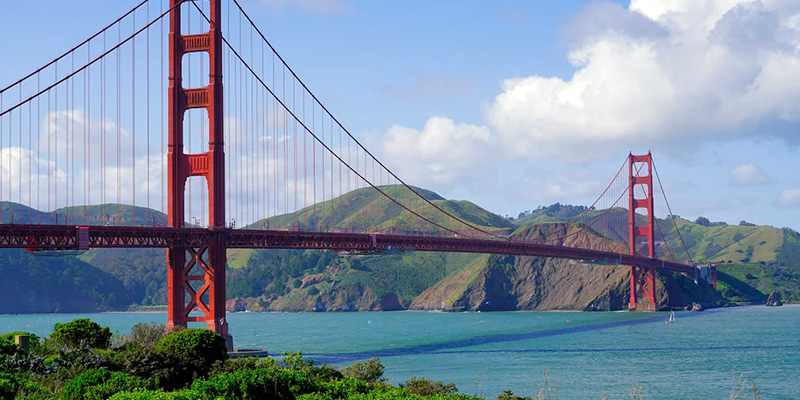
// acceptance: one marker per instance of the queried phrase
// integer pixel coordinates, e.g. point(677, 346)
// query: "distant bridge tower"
point(643, 279)
point(197, 272)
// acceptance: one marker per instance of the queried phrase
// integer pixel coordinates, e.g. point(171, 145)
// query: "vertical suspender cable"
point(118, 116)
point(133, 123)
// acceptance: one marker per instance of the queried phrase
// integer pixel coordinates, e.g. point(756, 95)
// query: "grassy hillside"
point(100, 214)
point(275, 277)
point(368, 208)
point(753, 260)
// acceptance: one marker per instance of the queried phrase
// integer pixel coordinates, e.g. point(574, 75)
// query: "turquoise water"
point(593, 355)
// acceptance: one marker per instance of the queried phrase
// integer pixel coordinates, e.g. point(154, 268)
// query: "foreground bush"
point(7, 347)
point(169, 370)
point(80, 332)
point(240, 364)
point(36, 346)
point(271, 383)
point(190, 364)
point(159, 395)
point(143, 335)
point(101, 384)
point(427, 387)
point(201, 346)
point(370, 371)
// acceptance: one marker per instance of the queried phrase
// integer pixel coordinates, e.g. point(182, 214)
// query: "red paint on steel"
point(50, 237)
point(209, 256)
point(642, 278)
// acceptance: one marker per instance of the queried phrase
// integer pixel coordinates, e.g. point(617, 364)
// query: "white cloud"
point(674, 80)
point(789, 198)
point(664, 75)
point(442, 152)
point(748, 174)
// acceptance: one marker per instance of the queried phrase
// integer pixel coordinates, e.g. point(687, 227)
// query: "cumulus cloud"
point(442, 152)
point(661, 73)
point(789, 198)
point(664, 75)
point(748, 174)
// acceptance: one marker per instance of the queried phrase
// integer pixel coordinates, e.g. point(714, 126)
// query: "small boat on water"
point(671, 317)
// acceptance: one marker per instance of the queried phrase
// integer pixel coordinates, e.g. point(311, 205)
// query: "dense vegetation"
point(81, 360)
point(61, 284)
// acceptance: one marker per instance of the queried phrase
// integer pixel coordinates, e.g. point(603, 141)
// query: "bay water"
point(586, 355)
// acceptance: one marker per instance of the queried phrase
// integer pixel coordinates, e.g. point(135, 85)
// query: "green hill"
point(100, 214)
point(369, 208)
point(753, 260)
point(276, 277)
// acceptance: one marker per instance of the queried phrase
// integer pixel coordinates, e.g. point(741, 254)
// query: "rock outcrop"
point(774, 299)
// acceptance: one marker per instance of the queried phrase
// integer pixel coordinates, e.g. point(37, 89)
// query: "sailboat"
point(671, 317)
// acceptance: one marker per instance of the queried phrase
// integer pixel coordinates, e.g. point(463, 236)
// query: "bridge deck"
point(60, 237)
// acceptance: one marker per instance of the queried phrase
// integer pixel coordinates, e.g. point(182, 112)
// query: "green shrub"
point(427, 387)
point(344, 388)
point(381, 392)
point(370, 371)
point(295, 361)
point(509, 395)
point(324, 373)
point(159, 395)
point(80, 331)
point(102, 384)
point(144, 335)
point(80, 359)
point(9, 385)
point(24, 363)
point(271, 383)
point(30, 390)
point(7, 347)
point(239, 364)
point(169, 370)
point(204, 347)
point(36, 345)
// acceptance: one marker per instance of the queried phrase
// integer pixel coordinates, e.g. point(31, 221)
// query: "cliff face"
point(505, 283)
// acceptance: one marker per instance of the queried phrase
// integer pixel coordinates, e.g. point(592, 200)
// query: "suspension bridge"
point(184, 106)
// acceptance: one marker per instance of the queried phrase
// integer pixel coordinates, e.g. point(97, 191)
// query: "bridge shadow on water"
point(456, 346)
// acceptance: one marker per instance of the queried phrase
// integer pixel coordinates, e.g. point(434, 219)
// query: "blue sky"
point(527, 103)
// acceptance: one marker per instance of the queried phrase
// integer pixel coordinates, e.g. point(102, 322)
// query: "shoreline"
point(732, 305)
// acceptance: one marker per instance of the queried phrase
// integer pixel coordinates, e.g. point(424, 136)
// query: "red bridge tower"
point(643, 279)
point(197, 272)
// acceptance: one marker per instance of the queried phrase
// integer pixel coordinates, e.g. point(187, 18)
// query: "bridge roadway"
point(70, 237)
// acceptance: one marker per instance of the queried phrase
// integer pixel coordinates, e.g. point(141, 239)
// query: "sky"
point(516, 104)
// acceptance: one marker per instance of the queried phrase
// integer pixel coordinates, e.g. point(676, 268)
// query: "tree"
point(427, 387)
point(81, 331)
point(202, 346)
point(745, 223)
point(702, 221)
point(370, 370)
